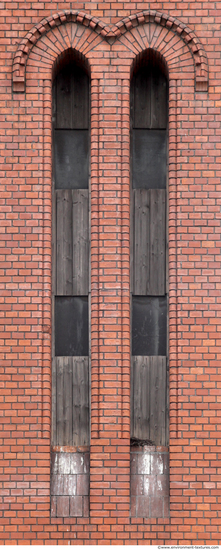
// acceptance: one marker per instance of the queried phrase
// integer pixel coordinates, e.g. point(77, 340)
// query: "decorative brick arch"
point(172, 51)
point(96, 28)
point(47, 42)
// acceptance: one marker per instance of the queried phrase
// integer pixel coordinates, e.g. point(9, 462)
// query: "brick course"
point(111, 38)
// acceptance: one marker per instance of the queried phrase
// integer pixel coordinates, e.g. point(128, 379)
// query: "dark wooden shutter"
point(70, 380)
point(149, 398)
point(149, 293)
point(149, 263)
point(72, 404)
point(72, 257)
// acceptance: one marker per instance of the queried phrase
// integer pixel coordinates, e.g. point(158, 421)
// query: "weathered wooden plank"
point(71, 416)
point(148, 419)
point(167, 402)
point(141, 388)
point(71, 98)
point(54, 402)
point(141, 235)
point(80, 98)
point(158, 408)
point(80, 400)
point(150, 98)
point(64, 400)
point(54, 242)
point(80, 199)
point(64, 251)
point(63, 95)
point(159, 105)
point(132, 419)
point(149, 266)
point(68, 405)
point(157, 282)
point(142, 99)
point(60, 400)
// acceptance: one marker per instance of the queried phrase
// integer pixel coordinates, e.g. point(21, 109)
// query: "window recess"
point(149, 114)
point(70, 378)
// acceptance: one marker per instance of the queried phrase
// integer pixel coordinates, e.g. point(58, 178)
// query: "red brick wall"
point(187, 35)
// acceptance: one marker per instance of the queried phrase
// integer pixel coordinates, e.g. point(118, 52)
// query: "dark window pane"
point(71, 159)
point(149, 325)
point(149, 159)
point(71, 325)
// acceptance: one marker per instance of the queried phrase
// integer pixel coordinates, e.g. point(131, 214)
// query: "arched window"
point(70, 384)
point(149, 121)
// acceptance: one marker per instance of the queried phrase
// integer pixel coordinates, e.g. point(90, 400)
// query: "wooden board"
point(158, 400)
point(80, 201)
point(63, 99)
point(140, 407)
point(80, 99)
point(72, 98)
point(53, 402)
point(149, 242)
point(150, 98)
point(72, 401)
point(159, 100)
point(64, 248)
point(67, 401)
point(149, 399)
point(157, 285)
point(72, 250)
point(141, 241)
point(59, 419)
point(80, 401)
point(142, 94)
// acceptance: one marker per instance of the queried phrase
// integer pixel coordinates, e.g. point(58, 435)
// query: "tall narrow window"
point(70, 403)
point(149, 395)
point(149, 114)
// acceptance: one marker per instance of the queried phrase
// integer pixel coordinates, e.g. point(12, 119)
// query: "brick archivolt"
point(78, 30)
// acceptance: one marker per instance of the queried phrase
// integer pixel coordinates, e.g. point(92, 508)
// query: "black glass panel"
point(149, 325)
point(149, 159)
point(71, 159)
point(71, 325)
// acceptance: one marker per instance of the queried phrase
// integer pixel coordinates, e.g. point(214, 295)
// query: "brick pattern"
point(194, 271)
point(149, 482)
point(111, 34)
point(70, 484)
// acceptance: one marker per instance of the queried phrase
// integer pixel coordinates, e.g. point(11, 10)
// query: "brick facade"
point(111, 39)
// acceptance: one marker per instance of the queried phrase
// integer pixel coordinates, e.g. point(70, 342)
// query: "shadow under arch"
point(147, 57)
point(68, 57)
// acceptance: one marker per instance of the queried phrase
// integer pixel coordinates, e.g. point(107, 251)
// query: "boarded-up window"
point(149, 114)
point(70, 381)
